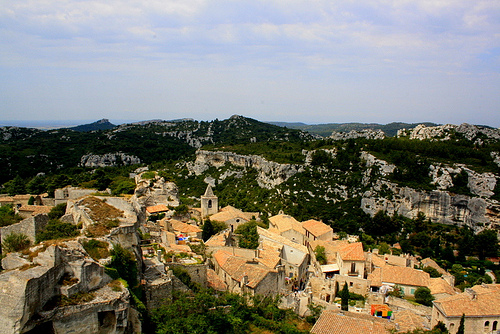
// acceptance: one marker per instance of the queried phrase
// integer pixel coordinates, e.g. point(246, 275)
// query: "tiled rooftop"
point(316, 227)
point(480, 300)
point(399, 275)
point(339, 322)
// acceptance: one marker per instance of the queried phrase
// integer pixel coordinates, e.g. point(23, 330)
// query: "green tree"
point(57, 211)
point(16, 186)
point(344, 298)
point(249, 238)
point(36, 185)
point(124, 262)
point(57, 229)
point(461, 327)
point(207, 230)
point(8, 216)
point(432, 272)
point(319, 251)
point(423, 296)
point(31, 200)
point(486, 244)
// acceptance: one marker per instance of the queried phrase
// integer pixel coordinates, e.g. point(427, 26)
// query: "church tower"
point(209, 203)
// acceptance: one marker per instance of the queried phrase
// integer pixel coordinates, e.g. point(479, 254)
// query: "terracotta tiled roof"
point(228, 213)
point(399, 275)
point(6, 199)
point(267, 234)
point(285, 223)
point(480, 300)
point(339, 322)
point(428, 262)
point(316, 228)
point(330, 249)
point(238, 267)
point(36, 209)
point(352, 252)
point(157, 208)
point(181, 227)
point(378, 261)
point(269, 255)
point(408, 320)
point(439, 286)
point(214, 281)
point(218, 240)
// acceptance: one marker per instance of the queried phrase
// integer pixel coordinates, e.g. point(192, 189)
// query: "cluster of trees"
point(207, 312)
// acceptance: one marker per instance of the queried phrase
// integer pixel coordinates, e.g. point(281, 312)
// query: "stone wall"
point(30, 227)
point(197, 272)
point(401, 304)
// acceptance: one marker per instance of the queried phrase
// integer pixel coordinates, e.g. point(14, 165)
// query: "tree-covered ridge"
point(325, 130)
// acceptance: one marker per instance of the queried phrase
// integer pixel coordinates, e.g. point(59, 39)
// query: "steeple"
point(209, 203)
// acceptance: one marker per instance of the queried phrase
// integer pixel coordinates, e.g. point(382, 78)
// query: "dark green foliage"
point(181, 210)
point(460, 184)
point(122, 185)
point(423, 296)
point(123, 261)
point(15, 242)
point(486, 244)
point(223, 313)
point(461, 327)
point(319, 251)
point(97, 249)
point(57, 229)
point(432, 271)
point(31, 200)
point(344, 296)
point(102, 124)
point(57, 211)
point(249, 238)
point(184, 277)
point(16, 186)
point(8, 216)
point(210, 228)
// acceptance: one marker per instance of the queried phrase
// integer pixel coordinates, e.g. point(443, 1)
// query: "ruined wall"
point(30, 227)
point(197, 272)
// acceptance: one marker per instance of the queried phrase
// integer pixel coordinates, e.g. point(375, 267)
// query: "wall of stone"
point(30, 227)
point(197, 272)
point(401, 304)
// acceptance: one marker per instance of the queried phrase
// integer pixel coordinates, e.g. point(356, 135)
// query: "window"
point(486, 326)
point(353, 267)
point(412, 291)
point(351, 284)
point(495, 323)
point(209, 204)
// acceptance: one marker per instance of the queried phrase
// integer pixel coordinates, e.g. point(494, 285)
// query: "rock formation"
point(366, 133)
point(108, 160)
point(270, 174)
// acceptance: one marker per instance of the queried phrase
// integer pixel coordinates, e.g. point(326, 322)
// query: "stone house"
point(294, 257)
point(243, 275)
point(30, 227)
point(180, 228)
point(480, 305)
point(288, 227)
point(156, 209)
point(343, 258)
point(234, 217)
point(408, 279)
point(16, 201)
point(341, 322)
point(27, 211)
point(317, 230)
point(71, 193)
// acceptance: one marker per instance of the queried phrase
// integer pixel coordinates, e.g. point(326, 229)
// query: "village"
point(306, 263)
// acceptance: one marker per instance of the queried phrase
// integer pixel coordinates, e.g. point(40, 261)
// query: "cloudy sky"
point(314, 61)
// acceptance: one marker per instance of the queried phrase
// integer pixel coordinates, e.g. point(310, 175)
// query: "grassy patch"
point(96, 249)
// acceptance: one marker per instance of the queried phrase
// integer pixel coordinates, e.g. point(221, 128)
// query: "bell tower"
point(209, 203)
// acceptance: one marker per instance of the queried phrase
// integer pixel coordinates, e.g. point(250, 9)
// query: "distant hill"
point(102, 124)
point(325, 130)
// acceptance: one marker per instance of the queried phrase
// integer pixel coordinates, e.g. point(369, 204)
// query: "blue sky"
point(315, 61)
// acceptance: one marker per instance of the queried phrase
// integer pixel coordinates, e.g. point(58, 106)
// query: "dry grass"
point(101, 212)
point(28, 266)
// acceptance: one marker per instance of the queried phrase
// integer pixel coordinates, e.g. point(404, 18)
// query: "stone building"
point(408, 279)
point(234, 217)
point(288, 227)
point(317, 230)
point(209, 203)
point(480, 305)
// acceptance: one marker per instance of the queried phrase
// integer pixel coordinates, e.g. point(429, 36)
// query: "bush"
point(8, 216)
point(96, 249)
point(57, 229)
point(320, 254)
point(15, 242)
point(57, 211)
point(423, 296)
point(123, 261)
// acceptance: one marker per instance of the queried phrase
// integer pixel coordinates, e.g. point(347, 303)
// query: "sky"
point(314, 61)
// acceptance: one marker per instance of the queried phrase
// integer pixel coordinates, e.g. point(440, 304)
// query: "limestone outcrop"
point(149, 192)
point(366, 133)
point(474, 133)
point(30, 295)
point(108, 160)
point(439, 206)
point(270, 174)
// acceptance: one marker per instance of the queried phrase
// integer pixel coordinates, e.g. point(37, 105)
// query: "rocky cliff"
point(368, 134)
point(474, 133)
point(108, 160)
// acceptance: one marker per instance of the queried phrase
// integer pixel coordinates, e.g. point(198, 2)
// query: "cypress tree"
point(461, 328)
point(344, 295)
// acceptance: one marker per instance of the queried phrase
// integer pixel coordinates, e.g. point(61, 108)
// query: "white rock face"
point(108, 159)
point(439, 206)
point(156, 191)
point(367, 133)
point(384, 167)
point(496, 158)
point(442, 177)
point(443, 132)
point(270, 175)
point(481, 184)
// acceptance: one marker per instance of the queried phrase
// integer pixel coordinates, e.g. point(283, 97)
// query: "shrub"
point(57, 211)
point(96, 249)
point(320, 254)
point(423, 296)
point(123, 261)
point(15, 242)
point(57, 229)
point(8, 216)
